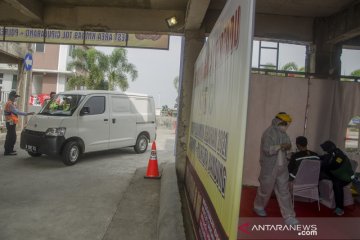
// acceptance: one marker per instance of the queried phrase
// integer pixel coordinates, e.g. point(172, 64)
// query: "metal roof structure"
point(281, 19)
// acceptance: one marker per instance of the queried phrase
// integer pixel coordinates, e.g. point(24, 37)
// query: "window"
point(350, 69)
point(352, 135)
point(61, 105)
point(14, 82)
point(39, 47)
point(96, 105)
point(120, 105)
point(276, 56)
point(1, 78)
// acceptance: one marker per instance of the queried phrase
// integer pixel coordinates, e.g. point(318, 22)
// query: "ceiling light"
point(172, 21)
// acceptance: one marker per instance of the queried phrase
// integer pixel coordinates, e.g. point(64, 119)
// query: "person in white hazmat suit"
point(274, 173)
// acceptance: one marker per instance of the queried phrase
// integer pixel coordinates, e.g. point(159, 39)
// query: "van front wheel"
point(71, 153)
point(141, 144)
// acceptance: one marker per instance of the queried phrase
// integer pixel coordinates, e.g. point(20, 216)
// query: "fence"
point(166, 122)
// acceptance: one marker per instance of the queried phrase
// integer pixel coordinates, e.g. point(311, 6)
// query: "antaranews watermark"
point(309, 228)
point(305, 230)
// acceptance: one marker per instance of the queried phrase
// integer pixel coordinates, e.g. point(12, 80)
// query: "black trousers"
point(10, 138)
point(338, 187)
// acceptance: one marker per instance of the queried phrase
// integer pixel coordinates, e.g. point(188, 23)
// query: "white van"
point(77, 122)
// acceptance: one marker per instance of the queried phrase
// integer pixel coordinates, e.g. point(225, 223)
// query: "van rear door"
point(145, 115)
point(122, 122)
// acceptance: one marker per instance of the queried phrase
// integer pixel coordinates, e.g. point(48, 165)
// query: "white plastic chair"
point(306, 183)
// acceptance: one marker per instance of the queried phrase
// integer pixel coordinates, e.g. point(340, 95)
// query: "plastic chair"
point(306, 183)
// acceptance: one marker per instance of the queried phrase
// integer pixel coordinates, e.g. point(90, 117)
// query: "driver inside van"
point(66, 104)
point(54, 105)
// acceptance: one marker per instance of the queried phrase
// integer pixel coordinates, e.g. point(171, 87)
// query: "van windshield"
point(61, 105)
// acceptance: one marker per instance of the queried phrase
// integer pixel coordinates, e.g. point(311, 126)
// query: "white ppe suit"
point(274, 173)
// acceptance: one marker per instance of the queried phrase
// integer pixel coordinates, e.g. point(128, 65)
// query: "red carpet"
point(302, 209)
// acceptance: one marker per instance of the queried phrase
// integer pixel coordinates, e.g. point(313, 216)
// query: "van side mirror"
point(85, 111)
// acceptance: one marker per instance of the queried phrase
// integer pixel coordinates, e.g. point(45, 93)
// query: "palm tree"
point(90, 66)
point(119, 69)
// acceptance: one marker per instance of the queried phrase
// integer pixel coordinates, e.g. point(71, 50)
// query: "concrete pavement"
point(98, 198)
point(136, 215)
point(170, 220)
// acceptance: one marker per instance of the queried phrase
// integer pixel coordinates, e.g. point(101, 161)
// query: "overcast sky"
point(350, 61)
point(158, 68)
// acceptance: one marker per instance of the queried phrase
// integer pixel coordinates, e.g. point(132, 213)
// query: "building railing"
point(283, 73)
point(4, 96)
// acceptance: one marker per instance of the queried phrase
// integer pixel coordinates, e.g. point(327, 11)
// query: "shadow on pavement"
point(56, 162)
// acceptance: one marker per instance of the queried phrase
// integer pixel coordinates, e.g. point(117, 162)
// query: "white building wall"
point(7, 82)
point(9, 71)
point(36, 85)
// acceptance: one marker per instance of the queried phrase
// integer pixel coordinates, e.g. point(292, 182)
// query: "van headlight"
point(55, 132)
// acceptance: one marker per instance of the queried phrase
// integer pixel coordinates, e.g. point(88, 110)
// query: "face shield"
point(283, 126)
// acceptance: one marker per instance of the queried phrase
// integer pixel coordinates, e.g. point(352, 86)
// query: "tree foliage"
point(120, 69)
point(290, 66)
point(176, 83)
point(270, 66)
point(355, 73)
point(95, 70)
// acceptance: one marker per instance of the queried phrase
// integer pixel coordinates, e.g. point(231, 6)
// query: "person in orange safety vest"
point(11, 118)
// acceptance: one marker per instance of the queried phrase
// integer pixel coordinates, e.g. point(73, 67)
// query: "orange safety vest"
point(9, 115)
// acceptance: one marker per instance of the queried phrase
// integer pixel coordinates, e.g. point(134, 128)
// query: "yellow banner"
point(13, 34)
point(35, 35)
point(148, 41)
point(105, 39)
point(219, 108)
point(64, 36)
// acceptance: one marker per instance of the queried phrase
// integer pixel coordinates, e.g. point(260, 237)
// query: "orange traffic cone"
point(152, 169)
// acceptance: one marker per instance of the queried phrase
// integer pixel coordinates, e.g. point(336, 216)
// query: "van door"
point(122, 122)
point(94, 126)
point(145, 113)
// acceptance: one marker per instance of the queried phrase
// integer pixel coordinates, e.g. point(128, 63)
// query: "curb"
point(170, 220)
